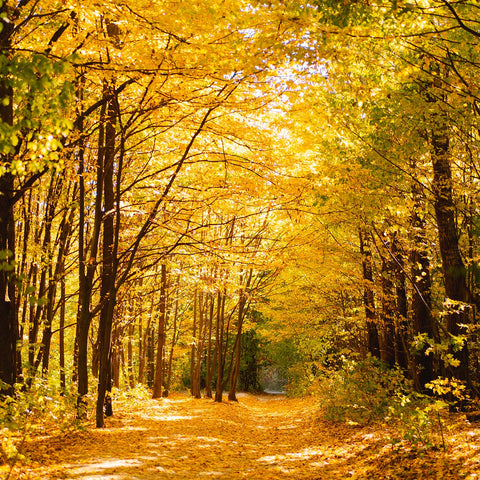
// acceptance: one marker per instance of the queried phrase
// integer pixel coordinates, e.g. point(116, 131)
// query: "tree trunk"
point(387, 345)
point(61, 335)
point(175, 334)
point(454, 271)
point(8, 317)
point(107, 289)
point(162, 323)
point(150, 356)
point(8, 314)
point(219, 345)
point(373, 342)
point(131, 333)
point(87, 266)
point(199, 347)
point(401, 324)
point(208, 382)
point(242, 310)
point(421, 295)
point(193, 347)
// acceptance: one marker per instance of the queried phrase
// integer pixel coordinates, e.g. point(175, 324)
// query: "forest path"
point(262, 437)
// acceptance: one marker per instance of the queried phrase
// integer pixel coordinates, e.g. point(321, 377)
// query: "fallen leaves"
point(262, 437)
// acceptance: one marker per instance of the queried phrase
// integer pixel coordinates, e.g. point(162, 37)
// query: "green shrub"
point(369, 391)
point(362, 391)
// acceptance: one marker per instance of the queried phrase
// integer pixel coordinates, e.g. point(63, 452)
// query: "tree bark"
point(387, 345)
point(208, 381)
point(162, 323)
point(242, 310)
point(373, 342)
point(454, 271)
point(401, 324)
point(422, 292)
point(8, 314)
point(107, 289)
point(219, 340)
point(87, 266)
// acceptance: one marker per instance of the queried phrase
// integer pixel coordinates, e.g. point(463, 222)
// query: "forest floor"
point(262, 437)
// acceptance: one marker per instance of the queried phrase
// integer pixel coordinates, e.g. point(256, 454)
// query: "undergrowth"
point(367, 391)
point(37, 410)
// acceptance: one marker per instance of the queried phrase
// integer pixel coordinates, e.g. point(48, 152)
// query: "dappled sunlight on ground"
point(261, 437)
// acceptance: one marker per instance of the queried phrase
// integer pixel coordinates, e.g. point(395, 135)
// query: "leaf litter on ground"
point(261, 437)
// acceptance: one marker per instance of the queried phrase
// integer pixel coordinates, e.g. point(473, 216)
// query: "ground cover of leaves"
point(260, 437)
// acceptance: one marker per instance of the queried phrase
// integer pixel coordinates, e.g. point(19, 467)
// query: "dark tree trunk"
point(107, 288)
point(421, 294)
point(242, 310)
point(162, 323)
point(8, 314)
point(373, 342)
point(208, 381)
point(219, 340)
point(401, 324)
point(387, 345)
point(61, 333)
point(150, 356)
point(88, 266)
point(199, 346)
point(175, 334)
point(454, 271)
point(131, 333)
point(193, 346)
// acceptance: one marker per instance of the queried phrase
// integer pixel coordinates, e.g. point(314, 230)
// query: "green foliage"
point(7, 262)
point(443, 350)
point(289, 364)
point(250, 350)
point(300, 379)
point(419, 423)
point(32, 411)
point(42, 402)
point(368, 391)
point(363, 391)
point(40, 95)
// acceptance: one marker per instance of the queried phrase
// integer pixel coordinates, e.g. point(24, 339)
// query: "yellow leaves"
point(448, 386)
point(267, 437)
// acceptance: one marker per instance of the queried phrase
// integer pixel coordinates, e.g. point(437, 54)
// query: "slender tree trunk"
point(387, 345)
point(196, 381)
point(401, 323)
point(208, 383)
point(242, 310)
point(141, 350)
point(8, 314)
point(107, 289)
point(162, 323)
point(421, 294)
point(373, 342)
point(150, 356)
point(145, 358)
point(219, 345)
point(87, 266)
point(175, 335)
point(130, 376)
point(61, 334)
point(454, 271)
point(194, 342)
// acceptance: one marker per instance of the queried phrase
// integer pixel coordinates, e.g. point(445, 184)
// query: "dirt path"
point(261, 437)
